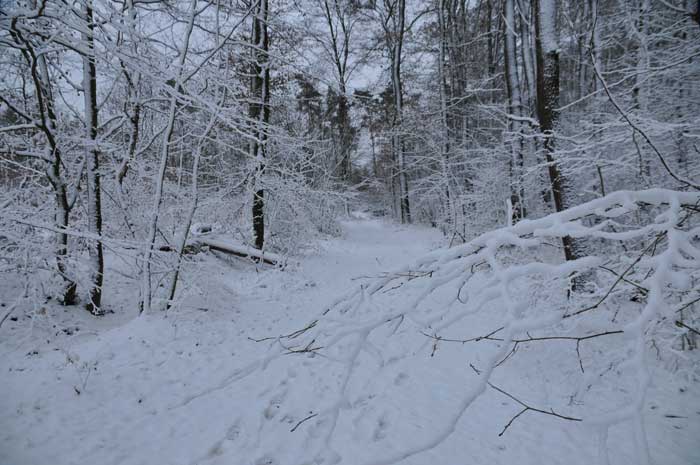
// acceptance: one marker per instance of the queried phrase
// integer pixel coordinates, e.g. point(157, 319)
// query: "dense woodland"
point(132, 130)
point(127, 122)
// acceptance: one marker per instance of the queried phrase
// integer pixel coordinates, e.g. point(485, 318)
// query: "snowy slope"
point(190, 386)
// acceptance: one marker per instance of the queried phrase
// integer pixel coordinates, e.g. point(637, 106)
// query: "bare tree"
point(259, 113)
point(93, 162)
point(340, 18)
point(147, 294)
point(515, 110)
point(24, 30)
point(393, 21)
point(547, 53)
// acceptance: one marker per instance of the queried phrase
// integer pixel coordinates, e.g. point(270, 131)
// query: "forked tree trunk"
point(339, 20)
point(48, 126)
point(146, 294)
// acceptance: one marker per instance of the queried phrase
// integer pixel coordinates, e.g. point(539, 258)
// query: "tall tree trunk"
point(344, 133)
point(445, 133)
point(595, 42)
point(639, 91)
point(375, 168)
point(48, 126)
point(547, 58)
point(132, 82)
point(399, 148)
point(640, 29)
point(94, 206)
point(259, 113)
point(515, 108)
point(527, 48)
point(582, 44)
point(490, 55)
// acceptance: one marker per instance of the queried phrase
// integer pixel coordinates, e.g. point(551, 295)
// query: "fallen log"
point(238, 250)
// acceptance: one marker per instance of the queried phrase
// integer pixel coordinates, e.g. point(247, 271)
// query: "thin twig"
point(302, 421)
point(619, 279)
point(291, 335)
point(680, 324)
point(527, 407)
point(637, 129)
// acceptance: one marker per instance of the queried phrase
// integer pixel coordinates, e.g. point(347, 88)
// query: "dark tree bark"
point(547, 58)
point(133, 99)
point(445, 144)
point(93, 166)
point(47, 125)
point(394, 29)
point(259, 113)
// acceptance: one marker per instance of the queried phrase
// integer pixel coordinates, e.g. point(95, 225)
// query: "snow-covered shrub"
point(298, 214)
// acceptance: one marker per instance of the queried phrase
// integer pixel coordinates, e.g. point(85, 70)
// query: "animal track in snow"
point(234, 431)
point(400, 379)
point(381, 428)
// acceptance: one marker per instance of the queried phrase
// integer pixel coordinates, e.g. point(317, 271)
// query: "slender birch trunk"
point(146, 293)
point(182, 242)
point(515, 108)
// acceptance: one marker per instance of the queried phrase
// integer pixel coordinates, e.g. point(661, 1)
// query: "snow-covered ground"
point(190, 386)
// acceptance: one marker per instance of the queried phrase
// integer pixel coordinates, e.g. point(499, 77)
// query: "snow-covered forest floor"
point(186, 386)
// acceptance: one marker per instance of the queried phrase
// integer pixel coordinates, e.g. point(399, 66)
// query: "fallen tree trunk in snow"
point(238, 250)
point(221, 245)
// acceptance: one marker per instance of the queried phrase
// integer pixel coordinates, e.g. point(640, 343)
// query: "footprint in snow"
point(233, 432)
point(266, 460)
point(271, 410)
point(400, 379)
point(381, 428)
point(273, 407)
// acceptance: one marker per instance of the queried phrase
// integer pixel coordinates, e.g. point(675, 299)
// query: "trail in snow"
point(165, 389)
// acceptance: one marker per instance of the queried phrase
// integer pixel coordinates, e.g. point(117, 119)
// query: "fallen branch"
point(291, 335)
point(527, 407)
point(239, 250)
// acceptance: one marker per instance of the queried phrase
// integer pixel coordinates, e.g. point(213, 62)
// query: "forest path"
point(118, 385)
point(169, 389)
